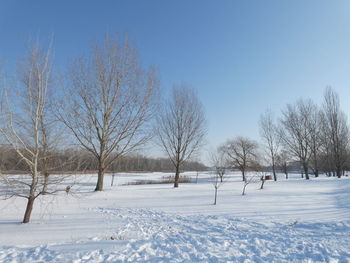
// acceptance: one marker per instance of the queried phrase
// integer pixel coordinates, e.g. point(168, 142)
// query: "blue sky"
point(242, 56)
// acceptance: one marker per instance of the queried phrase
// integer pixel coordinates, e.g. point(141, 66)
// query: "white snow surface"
point(290, 220)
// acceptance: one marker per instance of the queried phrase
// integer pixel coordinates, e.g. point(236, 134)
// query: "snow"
point(289, 221)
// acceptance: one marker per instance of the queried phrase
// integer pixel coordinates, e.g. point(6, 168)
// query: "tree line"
point(306, 137)
point(77, 160)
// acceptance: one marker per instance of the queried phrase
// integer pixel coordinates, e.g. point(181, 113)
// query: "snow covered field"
point(289, 221)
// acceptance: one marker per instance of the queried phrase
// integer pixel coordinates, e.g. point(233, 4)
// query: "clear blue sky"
point(242, 56)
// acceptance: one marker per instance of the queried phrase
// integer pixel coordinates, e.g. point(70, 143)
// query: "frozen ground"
point(288, 221)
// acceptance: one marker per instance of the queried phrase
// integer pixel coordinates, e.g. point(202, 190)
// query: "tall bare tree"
point(242, 153)
point(181, 126)
point(315, 121)
point(22, 125)
point(295, 132)
point(272, 138)
point(110, 103)
point(336, 131)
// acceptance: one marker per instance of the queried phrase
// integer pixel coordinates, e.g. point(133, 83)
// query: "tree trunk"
point(29, 209)
point(112, 179)
point(100, 176)
point(216, 193)
point(262, 182)
point(177, 175)
point(316, 172)
point(274, 172)
point(339, 172)
point(46, 182)
point(306, 170)
point(243, 175)
point(243, 192)
point(285, 170)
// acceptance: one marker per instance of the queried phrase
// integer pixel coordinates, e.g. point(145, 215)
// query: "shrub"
point(164, 180)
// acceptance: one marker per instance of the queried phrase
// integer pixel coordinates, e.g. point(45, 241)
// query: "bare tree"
point(181, 126)
point(110, 103)
point(256, 173)
point(22, 126)
point(295, 132)
point(217, 159)
point(271, 137)
point(282, 161)
point(51, 140)
point(216, 183)
point(336, 131)
point(253, 177)
point(242, 153)
point(315, 137)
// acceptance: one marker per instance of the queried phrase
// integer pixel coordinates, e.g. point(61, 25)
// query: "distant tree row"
point(306, 137)
point(81, 161)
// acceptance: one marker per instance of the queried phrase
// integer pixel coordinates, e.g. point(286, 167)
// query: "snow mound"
point(152, 236)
